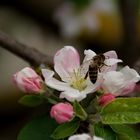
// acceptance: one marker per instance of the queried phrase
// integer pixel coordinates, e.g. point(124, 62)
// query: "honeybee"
point(96, 63)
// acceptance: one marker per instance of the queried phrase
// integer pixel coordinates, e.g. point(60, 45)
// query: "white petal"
point(28, 72)
point(111, 65)
point(72, 95)
point(84, 68)
point(47, 74)
point(66, 60)
point(58, 85)
point(112, 61)
point(89, 54)
point(113, 81)
point(91, 87)
point(130, 74)
point(120, 82)
point(80, 137)
point(97, 138)
point(111, 54)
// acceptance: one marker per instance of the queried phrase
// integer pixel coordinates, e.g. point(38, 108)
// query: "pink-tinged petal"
point(72, 95)
point(47, 74)
point(28, 80)
point(32, 84)
point(58, 85)
point(66, 60)
point(18, 82)
point(137, 88)
point(111, 54)
point(120, 82)
point(89, 54)
point(111, 61)
point(106, 98)
point(62, 112)
point(129, 88)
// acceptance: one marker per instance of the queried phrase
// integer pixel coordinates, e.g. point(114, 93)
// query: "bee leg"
point(107, 65)
point(86, 76)
point(99, 69)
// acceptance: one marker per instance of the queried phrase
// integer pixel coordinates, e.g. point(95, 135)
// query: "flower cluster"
point(74, 87)
point(73, 22)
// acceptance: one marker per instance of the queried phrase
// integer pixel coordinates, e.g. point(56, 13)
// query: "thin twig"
point(30, 55)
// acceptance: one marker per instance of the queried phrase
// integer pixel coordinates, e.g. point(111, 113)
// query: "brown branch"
point(31, 55)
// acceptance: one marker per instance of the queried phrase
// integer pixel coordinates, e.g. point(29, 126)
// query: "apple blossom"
point(73, 23)
point(120, 82)
point(80, 137)
point(105, 99)
point(74, 86)
point(28, 80)
point(97, 138)
point(62, 112)
point(84, 136)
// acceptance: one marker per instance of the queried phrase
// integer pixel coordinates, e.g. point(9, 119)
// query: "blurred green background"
point(50, 25)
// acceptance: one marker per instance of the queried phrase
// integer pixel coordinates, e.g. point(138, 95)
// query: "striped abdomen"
point(93, 73)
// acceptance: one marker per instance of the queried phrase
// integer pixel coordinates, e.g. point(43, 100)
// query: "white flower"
point(72, 22)
point(120, 82)
point(74, 86)
point(83, 137)
point(80, 137)
point(97, 138)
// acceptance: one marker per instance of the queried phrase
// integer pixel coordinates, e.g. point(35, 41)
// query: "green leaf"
point(125, 131)
point(31, 100)
point(38, 129)
point(104, 131)
point(65, 130)
point(121, 111)
point(79, 111)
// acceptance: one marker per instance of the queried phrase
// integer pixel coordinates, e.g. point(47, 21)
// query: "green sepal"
point(79, 111)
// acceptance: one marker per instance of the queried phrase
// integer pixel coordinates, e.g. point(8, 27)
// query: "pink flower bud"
point(105, 99)
point(28, 81)
point(62, 112)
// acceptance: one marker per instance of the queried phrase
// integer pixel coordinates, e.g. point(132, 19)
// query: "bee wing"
point(84, 67)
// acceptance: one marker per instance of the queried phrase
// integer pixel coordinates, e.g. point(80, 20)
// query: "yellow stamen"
point(77, 81)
